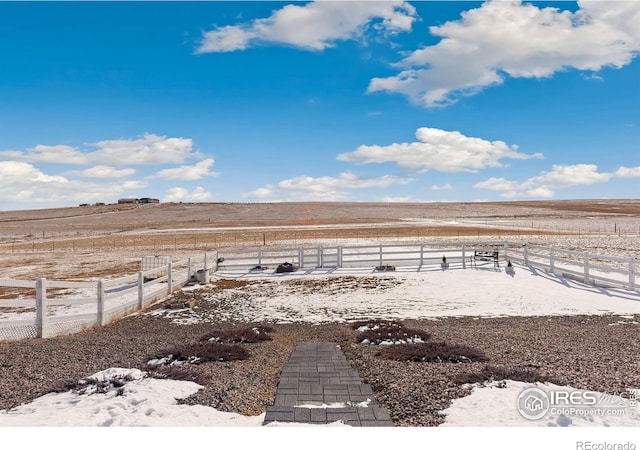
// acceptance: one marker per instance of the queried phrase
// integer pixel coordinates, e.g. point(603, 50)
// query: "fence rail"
point(593, 269)
point(115, 298)
point(91, 303)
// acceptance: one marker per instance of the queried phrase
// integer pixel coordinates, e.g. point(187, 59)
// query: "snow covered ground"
point(339, 295)
point(348, 294)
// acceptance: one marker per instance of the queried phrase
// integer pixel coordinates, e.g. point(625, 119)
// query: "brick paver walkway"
point(318, 386)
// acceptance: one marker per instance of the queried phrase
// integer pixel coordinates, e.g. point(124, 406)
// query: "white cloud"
point(560, 176)
point(346, 180)
point(444, 187)
point(260, 193)
point(19, 174)
point(104, 172)
point(314, 26)
point(24, 183)
point(628, 172)
point(54, 154)
point(188, 173)
point(392, 199)
point(149, 149)
point(180, 194)
point(324, 188)
point(444, 151)
point(508, 38)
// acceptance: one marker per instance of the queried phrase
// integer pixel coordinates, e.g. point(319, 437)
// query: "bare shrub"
point(432, 352)
point(60, 386)
point(197, 353)
point(388, 332)
point(495, 373)
point(180, 373)
point(239, 335)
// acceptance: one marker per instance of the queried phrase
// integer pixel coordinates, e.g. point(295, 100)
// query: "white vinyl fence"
point(597, 270)
point(66, 307)
point(100, 302)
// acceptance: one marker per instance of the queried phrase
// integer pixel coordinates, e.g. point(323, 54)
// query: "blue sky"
point(320, 101)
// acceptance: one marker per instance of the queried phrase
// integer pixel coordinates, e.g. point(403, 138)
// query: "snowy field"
point(318, 296)
point(143, 405)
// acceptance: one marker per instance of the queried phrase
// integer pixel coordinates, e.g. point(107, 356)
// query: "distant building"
point(124, 201)
point(149, 200)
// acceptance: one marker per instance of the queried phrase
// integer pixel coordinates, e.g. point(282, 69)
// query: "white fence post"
point(552, 260)
point(464, 258)
point(169, 278)
point(41, 307)
point(339, 256)
point(586, 268)
point(188, 269)
point(300, 257)
point(421, 255)
point(320, 256)
point(100, 303)
point(380, 254)
point(632, 274)
point(140, 290)
point(259, 257)
point(526, 255)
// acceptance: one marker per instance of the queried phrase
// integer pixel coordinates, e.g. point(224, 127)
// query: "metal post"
point(188, 269)
point(380, 254)
point(100, 303)
point(205, 262)
point(259, 257)
point(339, 256)
point(421, 254)
point(41, 307)
point(552, 260)
point(140, 290)
point(526, 255)
point(300, 257)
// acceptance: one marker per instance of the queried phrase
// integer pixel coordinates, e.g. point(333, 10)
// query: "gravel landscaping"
point(582, 351)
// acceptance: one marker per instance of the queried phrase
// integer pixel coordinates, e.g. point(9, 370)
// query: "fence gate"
point(152, 262)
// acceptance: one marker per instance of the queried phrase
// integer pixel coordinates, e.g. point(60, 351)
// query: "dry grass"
point(108, 241)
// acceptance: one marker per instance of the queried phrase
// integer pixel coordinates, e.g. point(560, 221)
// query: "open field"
point(584, 344)
point(87, 242)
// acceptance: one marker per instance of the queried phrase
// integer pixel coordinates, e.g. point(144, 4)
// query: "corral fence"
point(96, 303)
point(597, 270)
point(66, 307)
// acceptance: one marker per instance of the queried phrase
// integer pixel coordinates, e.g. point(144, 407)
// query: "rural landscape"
point(591, 349)
point(304, 219)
